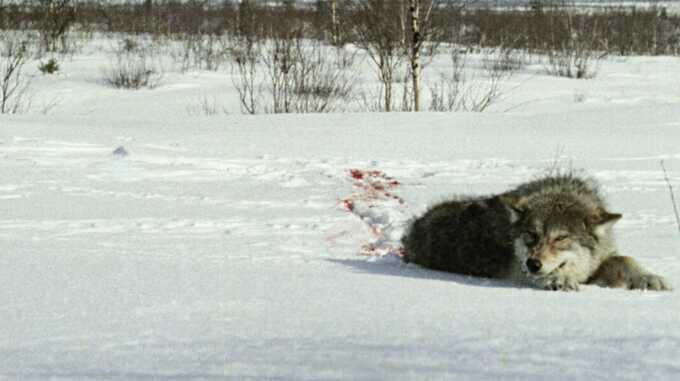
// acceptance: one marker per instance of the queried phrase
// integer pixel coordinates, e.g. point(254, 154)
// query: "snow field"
point(266, 247)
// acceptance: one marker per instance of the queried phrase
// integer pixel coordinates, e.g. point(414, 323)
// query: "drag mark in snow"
point(380, 208)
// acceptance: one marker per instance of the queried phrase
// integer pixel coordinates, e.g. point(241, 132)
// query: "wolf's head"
point(558, 232)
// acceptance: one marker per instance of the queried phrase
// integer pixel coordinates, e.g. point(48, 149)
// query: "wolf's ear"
point(516, 205)
point(602, 221)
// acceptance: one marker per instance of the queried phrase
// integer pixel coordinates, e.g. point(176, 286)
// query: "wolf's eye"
point(561, 238)
point(530, 238)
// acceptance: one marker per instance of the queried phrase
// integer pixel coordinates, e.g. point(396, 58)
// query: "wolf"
point(554, 233)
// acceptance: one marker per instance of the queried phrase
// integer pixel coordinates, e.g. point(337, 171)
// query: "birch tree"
point(424, 31)
point(335, 23)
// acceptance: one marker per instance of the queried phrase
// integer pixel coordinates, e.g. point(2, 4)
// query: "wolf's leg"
point(625, 272)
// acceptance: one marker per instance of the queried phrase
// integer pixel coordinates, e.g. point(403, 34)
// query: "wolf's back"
point(465, 236)
point(585, 189)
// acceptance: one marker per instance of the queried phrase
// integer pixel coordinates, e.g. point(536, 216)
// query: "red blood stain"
point(356, 174)
point(349, 204)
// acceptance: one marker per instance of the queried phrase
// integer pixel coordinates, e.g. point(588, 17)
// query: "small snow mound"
point(120, 152)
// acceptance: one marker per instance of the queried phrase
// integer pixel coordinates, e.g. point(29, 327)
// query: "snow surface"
point(139, 241)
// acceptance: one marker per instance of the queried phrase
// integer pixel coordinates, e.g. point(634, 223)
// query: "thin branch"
point(670, 189)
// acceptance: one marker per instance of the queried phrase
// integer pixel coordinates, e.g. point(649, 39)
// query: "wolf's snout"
point(533, 265)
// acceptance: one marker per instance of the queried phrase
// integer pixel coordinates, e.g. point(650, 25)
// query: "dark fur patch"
point(467, 236)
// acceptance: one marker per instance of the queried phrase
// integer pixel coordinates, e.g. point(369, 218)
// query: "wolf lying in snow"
point(554, 233)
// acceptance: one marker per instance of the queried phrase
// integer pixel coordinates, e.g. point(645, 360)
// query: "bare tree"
point(335, 23)
point(246, 55)
point(2, 14)
point(56, 19)
point(376, 25)
point(670, 190)
point(13, 85)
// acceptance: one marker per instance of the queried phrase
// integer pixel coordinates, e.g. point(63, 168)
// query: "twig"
point(670, 188)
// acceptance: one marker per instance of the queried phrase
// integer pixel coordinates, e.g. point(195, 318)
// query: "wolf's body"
point(554, 233)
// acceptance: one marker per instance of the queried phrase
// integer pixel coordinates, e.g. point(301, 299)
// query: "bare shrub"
point(205, 105)
point(13, 84)
point(462, 90)
point(576, 46)
point(56, 17)
point(324, 81)
point(291, 75)
point(246, 56)
point(574, 59)
point(200, 51)
point(370, 99)
point(279, 59)
point(672, 194)
point(305, 76)
point(410, 91)
point(379, 28)
point(133, 68)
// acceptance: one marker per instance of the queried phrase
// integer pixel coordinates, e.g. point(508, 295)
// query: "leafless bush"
point(409, 100)
point(305, 76)
point(291, 75)
point(200, 51)
point(246, 56)
point(205, 105)
point(576, 56)
point(379, 28)
point(670, 190)
point(461, 90)
point(56, 18)
point(505, 59)
point(573, 61)
point(279, 60)
point(133, 68)
point(320, 83)
point(13, 84)
point(370, 99)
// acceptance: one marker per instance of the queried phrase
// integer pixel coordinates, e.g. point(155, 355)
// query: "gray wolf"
point(553, 233)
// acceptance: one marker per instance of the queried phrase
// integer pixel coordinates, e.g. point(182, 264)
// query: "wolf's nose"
point(533, 265)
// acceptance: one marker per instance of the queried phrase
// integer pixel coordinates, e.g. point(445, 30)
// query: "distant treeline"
point(538, 26)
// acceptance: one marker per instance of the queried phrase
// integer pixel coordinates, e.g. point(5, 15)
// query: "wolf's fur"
point(554, 233)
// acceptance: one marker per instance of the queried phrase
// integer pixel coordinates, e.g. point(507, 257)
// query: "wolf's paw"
point(649, 282)
point(558, 283)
